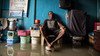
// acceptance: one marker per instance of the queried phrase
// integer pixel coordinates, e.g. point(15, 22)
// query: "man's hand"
point(41, 27)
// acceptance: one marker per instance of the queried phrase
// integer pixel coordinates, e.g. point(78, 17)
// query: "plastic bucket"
point(24, 39)
point(9, 41)
point(25, 47)
point(35, 40)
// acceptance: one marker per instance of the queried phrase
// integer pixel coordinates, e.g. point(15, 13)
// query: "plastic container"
point(10, 41)
point(35, 40)
point(24, 39)
point(10, 34)
point(12, 25)
point(23, 32)
point(97, 26)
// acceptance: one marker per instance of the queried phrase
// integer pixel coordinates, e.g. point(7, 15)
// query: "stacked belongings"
point(24, 39)
point(35, 35)
point(11, 33)
point(35, 32)
point(97, 40)
point(97, 36)
point(24, 36)
point(77, 25)
point(92, 38)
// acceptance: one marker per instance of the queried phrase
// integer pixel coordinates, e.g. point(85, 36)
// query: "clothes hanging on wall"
point(77, 22)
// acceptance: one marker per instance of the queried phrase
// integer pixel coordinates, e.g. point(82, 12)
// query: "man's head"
point(50, 14)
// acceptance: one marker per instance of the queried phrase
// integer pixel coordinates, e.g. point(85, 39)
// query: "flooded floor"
point(37, 50)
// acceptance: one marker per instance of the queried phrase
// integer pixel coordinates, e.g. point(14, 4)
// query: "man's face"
point(50, 15)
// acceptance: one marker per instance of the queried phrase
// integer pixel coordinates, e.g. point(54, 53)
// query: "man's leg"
point(47, 42)
point(61, 33)
point(45, 33)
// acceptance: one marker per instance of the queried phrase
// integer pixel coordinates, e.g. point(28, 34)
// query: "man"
point(52, 27)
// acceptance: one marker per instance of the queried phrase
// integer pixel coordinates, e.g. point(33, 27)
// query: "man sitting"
point(52, 27)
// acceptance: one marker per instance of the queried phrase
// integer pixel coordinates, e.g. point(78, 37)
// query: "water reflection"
point(35, 54)
point(93, 52)
point(36, 50)
point(10, 51)
point(23, 53)
point(25, 47)
point(31, 50)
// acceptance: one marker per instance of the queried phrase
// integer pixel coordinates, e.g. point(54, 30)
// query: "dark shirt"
point(50, 24)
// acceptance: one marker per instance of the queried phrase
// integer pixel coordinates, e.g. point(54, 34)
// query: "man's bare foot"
point(48, 48)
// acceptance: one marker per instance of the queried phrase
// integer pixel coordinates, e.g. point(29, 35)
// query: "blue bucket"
point(10, 41)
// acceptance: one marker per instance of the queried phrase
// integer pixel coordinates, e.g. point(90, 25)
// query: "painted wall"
point(98, 9)
point(0, 4)
point(90, 6)
point(5, 8)
point(43, 6)
point(0, 7)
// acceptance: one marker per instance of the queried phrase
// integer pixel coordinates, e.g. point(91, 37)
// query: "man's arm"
point(61, 33)
point(45, 24)
point(61, 26)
